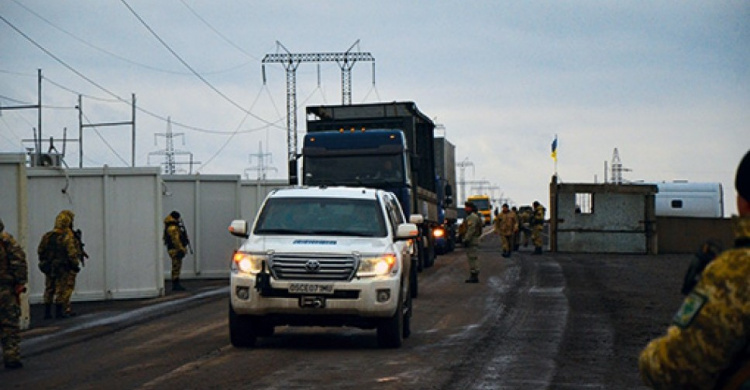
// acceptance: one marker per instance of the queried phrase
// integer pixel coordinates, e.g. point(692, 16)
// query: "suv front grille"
point(313, 267)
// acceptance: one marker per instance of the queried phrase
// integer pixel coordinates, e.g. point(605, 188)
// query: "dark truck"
point(445, 165)
point(388, 146)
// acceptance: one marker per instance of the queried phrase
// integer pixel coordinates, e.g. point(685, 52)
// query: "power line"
point(104, 140)
point(125, 59)
point(195, 73)
point(110, 93)
point(227, 40)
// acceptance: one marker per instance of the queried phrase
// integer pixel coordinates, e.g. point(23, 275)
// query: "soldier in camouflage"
point(506, 226)
point(175, 238)
point(13, 278)
point(537, 226)
point(708, 344)
point(59, 259)
point(470, 239)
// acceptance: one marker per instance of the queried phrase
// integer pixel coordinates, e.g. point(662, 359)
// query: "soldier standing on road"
point(59, 256)
point(517, 233)
point(524, 220)
point(13, 278)
point(537, 226)
point(471, 240)
point(708, 344)
point(506, 226)
point(176, 239)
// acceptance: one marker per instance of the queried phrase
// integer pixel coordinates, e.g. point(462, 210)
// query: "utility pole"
point(81, 126)
point(169, 152)
point(38, 107)
point(291, 61)
point(262, 166)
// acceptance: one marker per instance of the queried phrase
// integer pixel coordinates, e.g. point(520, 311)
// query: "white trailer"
point(685, 199)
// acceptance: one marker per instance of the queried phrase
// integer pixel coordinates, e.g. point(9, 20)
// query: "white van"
point(685, 199)
point(323, 257)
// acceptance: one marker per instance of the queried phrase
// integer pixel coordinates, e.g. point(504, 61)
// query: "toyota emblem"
point(312, 266)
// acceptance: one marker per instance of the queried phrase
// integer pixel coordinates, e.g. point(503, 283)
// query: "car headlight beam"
point(378, 265)
point(247, 262)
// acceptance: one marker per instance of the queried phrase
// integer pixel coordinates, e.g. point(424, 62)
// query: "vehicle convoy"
point(389, 146)
point(329, 256)
point(484, 207)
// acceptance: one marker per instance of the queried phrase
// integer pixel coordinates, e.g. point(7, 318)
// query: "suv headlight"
point(248, 263)
point(377, 265)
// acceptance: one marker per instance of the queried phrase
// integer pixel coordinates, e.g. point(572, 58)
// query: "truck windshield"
point(321, 216)
point(360, 170)
point(481, 203)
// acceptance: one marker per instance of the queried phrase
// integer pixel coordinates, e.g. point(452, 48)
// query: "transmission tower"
point(617, 168)
point(462, 180)
point(169, 152)
point(262, 166)
point(291, 61)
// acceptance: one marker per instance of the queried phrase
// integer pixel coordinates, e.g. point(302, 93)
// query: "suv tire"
point(241, 330)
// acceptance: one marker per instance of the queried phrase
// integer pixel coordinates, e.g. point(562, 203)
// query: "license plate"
point(310, 288)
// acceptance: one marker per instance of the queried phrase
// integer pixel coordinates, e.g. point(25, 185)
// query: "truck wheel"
point(431, 253)
point(420, 255)
point(391, 330)
point(241, 331)
point(407, 315)
point(414, 281)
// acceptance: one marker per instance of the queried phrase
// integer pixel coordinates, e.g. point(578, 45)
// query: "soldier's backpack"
point(46, 251)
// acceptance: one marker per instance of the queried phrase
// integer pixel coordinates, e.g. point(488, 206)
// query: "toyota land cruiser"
point(323, 257)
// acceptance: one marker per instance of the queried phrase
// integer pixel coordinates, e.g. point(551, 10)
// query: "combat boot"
point(59, 313)
point(474, 278)
point(47, 311)
point(538, 250)
point(176, 286)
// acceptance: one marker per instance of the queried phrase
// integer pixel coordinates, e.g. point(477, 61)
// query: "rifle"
point(184, 235)
point(78, 234)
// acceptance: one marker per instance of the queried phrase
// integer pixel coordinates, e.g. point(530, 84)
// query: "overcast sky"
point(666, 83)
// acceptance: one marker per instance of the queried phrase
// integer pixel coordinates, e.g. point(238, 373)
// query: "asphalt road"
point(534, 322)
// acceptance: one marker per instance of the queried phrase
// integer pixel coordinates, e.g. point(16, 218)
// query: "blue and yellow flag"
point(554, 149)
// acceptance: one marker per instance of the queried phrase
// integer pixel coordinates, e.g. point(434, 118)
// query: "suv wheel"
point(241, 329)
point(391, 330)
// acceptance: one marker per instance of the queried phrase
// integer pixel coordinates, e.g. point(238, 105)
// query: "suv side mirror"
point(416, 219)
point(407, 231)
point(238, 228)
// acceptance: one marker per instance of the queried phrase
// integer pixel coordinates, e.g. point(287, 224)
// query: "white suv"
point(323, 257)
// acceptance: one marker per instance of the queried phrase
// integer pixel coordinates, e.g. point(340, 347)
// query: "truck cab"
point(327, 256)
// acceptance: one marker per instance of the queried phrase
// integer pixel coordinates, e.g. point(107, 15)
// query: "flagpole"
point(554, 153)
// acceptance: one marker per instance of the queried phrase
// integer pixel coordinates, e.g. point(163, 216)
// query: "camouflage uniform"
point(710, 331)
point(474, 225)
point(524, 219)
point(537, 226)
point(175, 246)
point(13, 278)
point(517, 233)
point(506, 225)
point(60, 281)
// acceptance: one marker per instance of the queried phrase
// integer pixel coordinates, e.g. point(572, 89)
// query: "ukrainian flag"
point(554, 149)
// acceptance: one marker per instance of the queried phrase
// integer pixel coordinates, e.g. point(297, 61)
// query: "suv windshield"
point(321, 216)
point(368, 170)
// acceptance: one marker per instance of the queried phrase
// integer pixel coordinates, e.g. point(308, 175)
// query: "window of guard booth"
point(584, 203)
